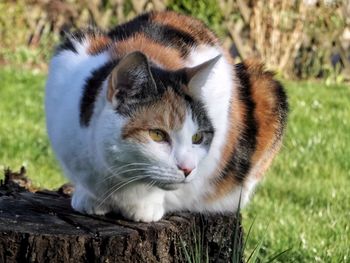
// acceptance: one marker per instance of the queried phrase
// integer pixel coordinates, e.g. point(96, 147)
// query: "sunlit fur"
point(110, 157)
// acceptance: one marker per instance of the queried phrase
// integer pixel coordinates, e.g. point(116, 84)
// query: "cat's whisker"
point(123, 172)
point(151, 168)
point(124, 183)
point(130, 164)
point(115, 169)
point(126, 180)
point(150, 184)
point(118, 187)
point(120, 168)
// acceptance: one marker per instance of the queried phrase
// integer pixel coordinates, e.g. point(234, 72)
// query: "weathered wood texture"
point(42, 227)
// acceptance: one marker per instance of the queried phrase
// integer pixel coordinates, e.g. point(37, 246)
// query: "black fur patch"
point(67, 43)
point(282, 108)
point(92, 88)
point(163, 34)
point(78, 36)
point(240, 162)
point(200, 115)
point(143, 96)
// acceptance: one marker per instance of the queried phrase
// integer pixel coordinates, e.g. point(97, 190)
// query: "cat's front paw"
point(143, 212)
point(85, 204)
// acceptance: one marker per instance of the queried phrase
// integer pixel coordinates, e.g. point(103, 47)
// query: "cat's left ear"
point(199, 75)
point(130, 80)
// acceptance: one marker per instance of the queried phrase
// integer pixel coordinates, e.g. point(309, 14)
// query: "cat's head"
point(163, 128)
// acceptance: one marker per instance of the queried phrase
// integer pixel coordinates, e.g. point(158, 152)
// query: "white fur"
point(93, 157)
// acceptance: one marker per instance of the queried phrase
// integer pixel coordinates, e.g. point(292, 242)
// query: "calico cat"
point(153, 117)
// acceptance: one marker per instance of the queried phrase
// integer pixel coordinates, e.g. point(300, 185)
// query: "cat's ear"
point(197, 76)
point(130, 78)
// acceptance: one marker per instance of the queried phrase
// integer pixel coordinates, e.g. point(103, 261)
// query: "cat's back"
point(169, 39)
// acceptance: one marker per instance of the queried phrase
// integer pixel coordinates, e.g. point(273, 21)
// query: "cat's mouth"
point(171, 187)
point(169, 183)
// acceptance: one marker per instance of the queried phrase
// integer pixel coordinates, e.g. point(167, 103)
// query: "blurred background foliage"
point(296, 38)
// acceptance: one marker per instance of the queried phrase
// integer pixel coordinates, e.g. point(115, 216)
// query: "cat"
point(153, 117)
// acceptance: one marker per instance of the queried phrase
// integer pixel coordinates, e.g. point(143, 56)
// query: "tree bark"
point(42, 227)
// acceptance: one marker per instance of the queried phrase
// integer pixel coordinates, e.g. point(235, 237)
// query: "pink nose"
point(186, 170)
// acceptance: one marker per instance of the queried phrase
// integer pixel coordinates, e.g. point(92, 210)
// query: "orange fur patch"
point(167, 114)
point(263, 94)
point(168, 57)
point(186, 24)
point(98, 44)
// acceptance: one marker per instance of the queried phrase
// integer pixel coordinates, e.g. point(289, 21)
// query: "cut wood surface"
point(42, 227)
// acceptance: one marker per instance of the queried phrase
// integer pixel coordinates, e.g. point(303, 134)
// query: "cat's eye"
point(158, 135)
point(197, 138)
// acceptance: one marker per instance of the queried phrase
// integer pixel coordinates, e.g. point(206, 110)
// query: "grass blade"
point(187, 256)
point(248, 234)
point(255, 253)
point(237, 251)
point(274, 257)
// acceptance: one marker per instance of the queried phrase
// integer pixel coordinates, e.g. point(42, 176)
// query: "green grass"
point(304, 202)
point(23, 139)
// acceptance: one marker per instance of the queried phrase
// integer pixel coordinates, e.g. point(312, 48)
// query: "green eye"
point(197, 138)
point(158, 135)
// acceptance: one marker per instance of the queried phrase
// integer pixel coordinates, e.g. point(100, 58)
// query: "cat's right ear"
point(199, 75)
point(129, 78)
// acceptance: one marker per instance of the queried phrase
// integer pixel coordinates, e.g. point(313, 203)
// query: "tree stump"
point(42, 227)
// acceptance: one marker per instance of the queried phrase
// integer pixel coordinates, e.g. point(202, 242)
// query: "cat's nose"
point(186, 170)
